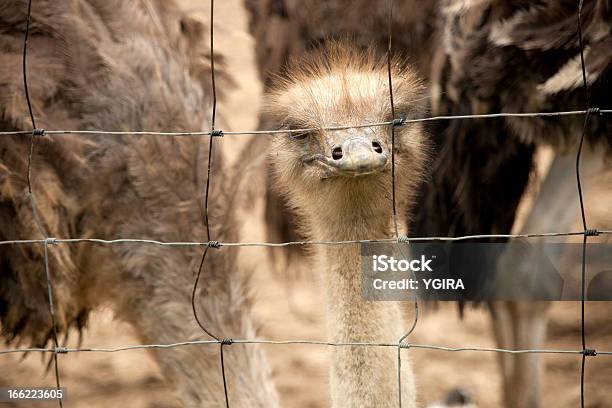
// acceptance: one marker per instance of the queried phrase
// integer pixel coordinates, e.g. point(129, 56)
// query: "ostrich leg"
point(522, 325)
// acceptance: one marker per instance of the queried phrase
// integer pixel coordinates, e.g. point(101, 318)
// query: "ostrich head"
point(346, 171)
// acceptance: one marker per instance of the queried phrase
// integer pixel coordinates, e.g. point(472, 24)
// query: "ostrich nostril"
point(377, 147)
point(337, 153)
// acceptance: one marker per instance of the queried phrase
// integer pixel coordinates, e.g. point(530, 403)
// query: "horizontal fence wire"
point(65, 350)
point(209, 243)
point(217, 244)
point(397, 122)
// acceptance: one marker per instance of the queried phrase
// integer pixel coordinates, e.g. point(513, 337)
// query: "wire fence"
point(209, 243)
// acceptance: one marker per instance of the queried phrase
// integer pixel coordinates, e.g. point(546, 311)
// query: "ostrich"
point(284, 29)
point(482, 168)
point(480, 57)
point(340, 182)
point(119, 65)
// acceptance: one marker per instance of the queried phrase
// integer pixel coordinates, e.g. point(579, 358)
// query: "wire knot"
point(398, 122)
point(213, 244)
point(226, 342)
point(404, 345)
point(38, 132)
point(403, 239)
point(218, 133)
point(591, 232)
point(593, 111)
point(589, 352)
point(51, 241)
point(61, 350)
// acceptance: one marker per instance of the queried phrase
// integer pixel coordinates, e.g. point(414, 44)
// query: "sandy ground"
point(295, 312)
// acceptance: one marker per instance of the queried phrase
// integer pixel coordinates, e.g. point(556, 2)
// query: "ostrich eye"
point(299, 136)
point(296, 134)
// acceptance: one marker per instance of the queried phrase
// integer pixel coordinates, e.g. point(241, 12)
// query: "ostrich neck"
point(353, 318)
point(360, 376)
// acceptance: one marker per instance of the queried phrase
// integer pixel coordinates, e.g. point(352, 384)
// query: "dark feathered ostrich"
point(117, 65)
point(498, 56)
point(484, 57)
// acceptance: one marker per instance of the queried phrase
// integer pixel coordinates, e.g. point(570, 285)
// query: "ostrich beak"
point(357, 156)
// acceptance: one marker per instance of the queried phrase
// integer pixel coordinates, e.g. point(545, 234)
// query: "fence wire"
point(37, 220)
point(209, 243)
point(222, 133)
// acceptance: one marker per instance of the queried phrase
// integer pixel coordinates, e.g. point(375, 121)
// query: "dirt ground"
point(295, 311)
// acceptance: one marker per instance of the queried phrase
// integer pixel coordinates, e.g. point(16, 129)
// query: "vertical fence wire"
point(390, 80)
point(211, 244)
point(585, 351)
point(39, 132)
point(208, 176)
point(397, 122)
point(53, 320)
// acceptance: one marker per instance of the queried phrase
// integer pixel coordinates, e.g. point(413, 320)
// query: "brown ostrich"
point(482, 57)
point(119, 65)
point(340, 182)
